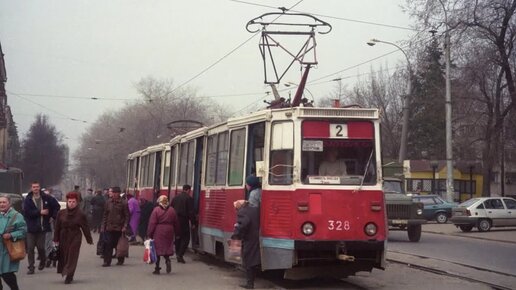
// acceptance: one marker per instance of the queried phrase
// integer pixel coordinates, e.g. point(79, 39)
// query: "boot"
point(249, 275)
point(156, 270)
point(169, 266)
point(48, 263)
point(68, 279)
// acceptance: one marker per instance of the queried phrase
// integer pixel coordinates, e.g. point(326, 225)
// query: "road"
point(204, 272)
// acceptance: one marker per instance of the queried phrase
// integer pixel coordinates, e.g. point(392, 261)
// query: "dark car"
point(435, 208)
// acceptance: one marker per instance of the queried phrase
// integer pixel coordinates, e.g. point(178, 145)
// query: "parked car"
point(484, 213)
point(435, 208)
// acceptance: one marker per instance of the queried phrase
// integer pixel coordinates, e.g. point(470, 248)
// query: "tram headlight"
point(370, 229)
point(308, 228)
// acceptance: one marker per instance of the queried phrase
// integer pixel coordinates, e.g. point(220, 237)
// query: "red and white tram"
point(312, 224)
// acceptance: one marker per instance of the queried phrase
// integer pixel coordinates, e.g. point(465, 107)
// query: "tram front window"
point(345, 162)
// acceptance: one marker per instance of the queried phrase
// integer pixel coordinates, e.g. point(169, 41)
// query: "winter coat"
point(146, 210)
point(183, 205)
point(116, 215)
point(35, 221)
point(18, 231)
point(68, 234)
point(247, 229)
point(134, 212)
point(163, 228)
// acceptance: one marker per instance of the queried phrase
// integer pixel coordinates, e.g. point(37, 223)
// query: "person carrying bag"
point(15, 248)
point(12, 249)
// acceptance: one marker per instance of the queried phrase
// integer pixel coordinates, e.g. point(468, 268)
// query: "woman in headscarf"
point(68, 237)
point(254, 187)
point(247, 229)
point(163, 227)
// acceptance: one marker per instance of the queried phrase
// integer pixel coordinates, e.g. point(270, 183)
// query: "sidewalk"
point(507, 235)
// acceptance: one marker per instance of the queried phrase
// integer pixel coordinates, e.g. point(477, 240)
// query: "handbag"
point(122, 247)
point(54, 254)
point(16, 249)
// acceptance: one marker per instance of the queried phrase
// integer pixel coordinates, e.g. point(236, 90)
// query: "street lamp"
point(404, 128)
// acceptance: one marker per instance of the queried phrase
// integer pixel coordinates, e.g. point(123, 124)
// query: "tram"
point(313, 222)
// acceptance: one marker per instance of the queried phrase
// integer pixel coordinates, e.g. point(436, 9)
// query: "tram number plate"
point(338, 131)
point(338, 225)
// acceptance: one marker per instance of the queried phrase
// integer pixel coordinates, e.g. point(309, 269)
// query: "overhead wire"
point(226, 55)
point(47, 108)
point(329, 16)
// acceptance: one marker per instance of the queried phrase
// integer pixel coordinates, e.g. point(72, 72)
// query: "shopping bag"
point(146, 252)
point(122, 247)
point(235, 251)
point(153, 255)
point(101, 244)
point(16, 249)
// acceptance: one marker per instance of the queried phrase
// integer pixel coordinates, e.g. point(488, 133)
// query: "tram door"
point(255, 147)
point(196, 188)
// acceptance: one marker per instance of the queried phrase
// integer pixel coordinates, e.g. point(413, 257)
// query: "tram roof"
point(135, 154)
point(155, 148)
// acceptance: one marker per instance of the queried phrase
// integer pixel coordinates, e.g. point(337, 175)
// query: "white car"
point(484, 213)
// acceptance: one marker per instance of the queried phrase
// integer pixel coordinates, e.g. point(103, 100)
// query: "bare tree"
point(106, 144)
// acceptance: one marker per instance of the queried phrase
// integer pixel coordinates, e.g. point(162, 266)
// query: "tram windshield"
point(338, 161)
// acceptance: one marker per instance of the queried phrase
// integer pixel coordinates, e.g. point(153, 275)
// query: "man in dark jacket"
point(114, 224)
point(247, 229)
point(183, 205)
point(38, 209)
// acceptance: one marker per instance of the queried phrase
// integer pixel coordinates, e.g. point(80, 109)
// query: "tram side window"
point(173, 166)
point(142, 171)
point(222, 158)
point(166, 169)
point(281, 158)
point(211, 164)
point(130, 164)
point(190, 162)
point(183, 157)
point(236, 157)
point(151, 169)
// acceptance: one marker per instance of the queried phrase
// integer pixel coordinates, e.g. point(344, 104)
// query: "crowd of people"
point(116, 216)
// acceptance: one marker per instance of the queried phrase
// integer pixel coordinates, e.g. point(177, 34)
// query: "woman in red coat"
point(67, 234)
point(163, 226)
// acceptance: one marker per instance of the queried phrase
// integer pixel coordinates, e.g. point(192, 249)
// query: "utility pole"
point(449, 152)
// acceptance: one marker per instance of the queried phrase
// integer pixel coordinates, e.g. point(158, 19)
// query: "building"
point(9, 143)
point(429, 176)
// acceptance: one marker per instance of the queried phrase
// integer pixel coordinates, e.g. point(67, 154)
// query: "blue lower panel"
point(212, 232)
point(278, 243)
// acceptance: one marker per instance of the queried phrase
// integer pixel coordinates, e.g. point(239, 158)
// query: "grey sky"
point(101, 48)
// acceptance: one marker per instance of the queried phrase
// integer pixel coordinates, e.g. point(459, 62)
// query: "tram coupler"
point(346, 258)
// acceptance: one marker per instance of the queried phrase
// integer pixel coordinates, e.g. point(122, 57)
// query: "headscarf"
point(253, 182)
point(163, 201)
point(239, 203)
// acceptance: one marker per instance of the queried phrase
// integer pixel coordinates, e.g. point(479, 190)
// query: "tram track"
point(504, 281)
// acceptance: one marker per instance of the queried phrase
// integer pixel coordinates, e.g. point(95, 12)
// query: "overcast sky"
point(59, 53)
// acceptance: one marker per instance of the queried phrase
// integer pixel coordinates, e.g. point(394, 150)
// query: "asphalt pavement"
point(449, 268)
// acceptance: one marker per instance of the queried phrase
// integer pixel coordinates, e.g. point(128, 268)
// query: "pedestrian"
point(12, 226)
point(68, 237)
point(183, 205)
point(163, 226)
point(77, 189)
point(247, 229)
point(38, 210)
point(49, 236)
point(134, 212)
point(254, 187)
point(114, 224)
point(86, 205)
point(146, 208)
point(97, 210)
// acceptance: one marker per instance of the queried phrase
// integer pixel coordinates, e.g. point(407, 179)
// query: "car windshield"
point(469, 202)
point(392, 187)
